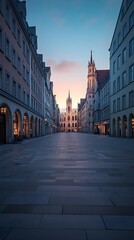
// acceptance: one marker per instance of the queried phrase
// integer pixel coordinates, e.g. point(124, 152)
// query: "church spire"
point(91, 60)
point(69, 95)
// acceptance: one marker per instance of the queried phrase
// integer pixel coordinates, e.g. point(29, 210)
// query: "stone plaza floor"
point(67, 186)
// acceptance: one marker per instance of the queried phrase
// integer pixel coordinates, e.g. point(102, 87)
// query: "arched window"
point(68, 124)
point(72, 118)
point(69, 109)
point(68, 118)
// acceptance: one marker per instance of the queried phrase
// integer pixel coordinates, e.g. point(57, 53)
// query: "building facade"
point(101, 103)
point(68, 120)
point(122, 73)
point(22, 78)
point(82, 115)
point(92, 118)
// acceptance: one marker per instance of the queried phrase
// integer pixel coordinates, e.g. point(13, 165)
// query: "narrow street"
point(67, 186)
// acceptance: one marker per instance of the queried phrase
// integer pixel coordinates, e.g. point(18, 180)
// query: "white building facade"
point(122, 73)
point(68, 119)
point(22, 88)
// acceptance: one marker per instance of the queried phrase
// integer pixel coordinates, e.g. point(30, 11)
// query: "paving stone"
point(71, 185)
point(97, 210)
point(46, 234)
point(2, 207)
point(119, 222)
point(72, 222)
point(109, 235)
point(19, 220)
point(27, 198)
point(127, 200)
point(47, 209)
point(4, 232)
point(92, 200)
point(18, 208)
point(68, 188)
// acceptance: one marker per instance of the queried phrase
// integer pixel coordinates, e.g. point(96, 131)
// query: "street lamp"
point(3, 110)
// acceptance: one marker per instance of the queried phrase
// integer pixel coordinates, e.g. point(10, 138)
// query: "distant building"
point(101, 102)
point(89, 111)
point(89, 103)
point(68, 120)
point(122, 73)
point(82, 115)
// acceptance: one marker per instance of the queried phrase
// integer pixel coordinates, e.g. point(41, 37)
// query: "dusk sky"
point(67, 31)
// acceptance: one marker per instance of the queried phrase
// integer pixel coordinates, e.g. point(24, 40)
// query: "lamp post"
point(46, 123)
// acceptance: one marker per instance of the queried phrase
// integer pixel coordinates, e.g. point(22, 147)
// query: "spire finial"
point(91, 60)
point(69, 94)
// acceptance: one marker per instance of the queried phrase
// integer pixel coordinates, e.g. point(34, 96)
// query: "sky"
point(67, 31)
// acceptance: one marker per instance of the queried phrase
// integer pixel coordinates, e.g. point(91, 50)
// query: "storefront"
point(3, 124)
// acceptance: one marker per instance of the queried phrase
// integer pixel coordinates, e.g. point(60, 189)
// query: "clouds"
point(64, 66)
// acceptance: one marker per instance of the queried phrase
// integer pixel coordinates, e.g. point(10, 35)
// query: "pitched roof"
point(101, 75)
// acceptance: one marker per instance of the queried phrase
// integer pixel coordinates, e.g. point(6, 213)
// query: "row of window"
point(12, 87)
point(36, 88)
point(104, 114)
point(74, 118)
point(124, 7)
point(122, 33)
point(122, 82)
point(36, 105)
point(26, 52)
point(16, 61)
point(69, 125)
point(11, 22)
point(121, 59)
point(104, 102)
point(117, 104)
point(104, 91)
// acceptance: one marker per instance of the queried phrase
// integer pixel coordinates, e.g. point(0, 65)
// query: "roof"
point(101, 75)
point(47, 69)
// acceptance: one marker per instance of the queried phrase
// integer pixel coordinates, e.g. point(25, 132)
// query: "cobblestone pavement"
point(67, 186)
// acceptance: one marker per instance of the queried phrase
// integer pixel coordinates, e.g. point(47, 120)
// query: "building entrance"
point(2, 127)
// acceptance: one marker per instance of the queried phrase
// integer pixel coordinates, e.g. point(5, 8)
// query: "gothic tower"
point(68, 104)
point(91, 75)
point(90, 93)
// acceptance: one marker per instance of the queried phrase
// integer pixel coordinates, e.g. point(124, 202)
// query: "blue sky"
point(67, 31)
